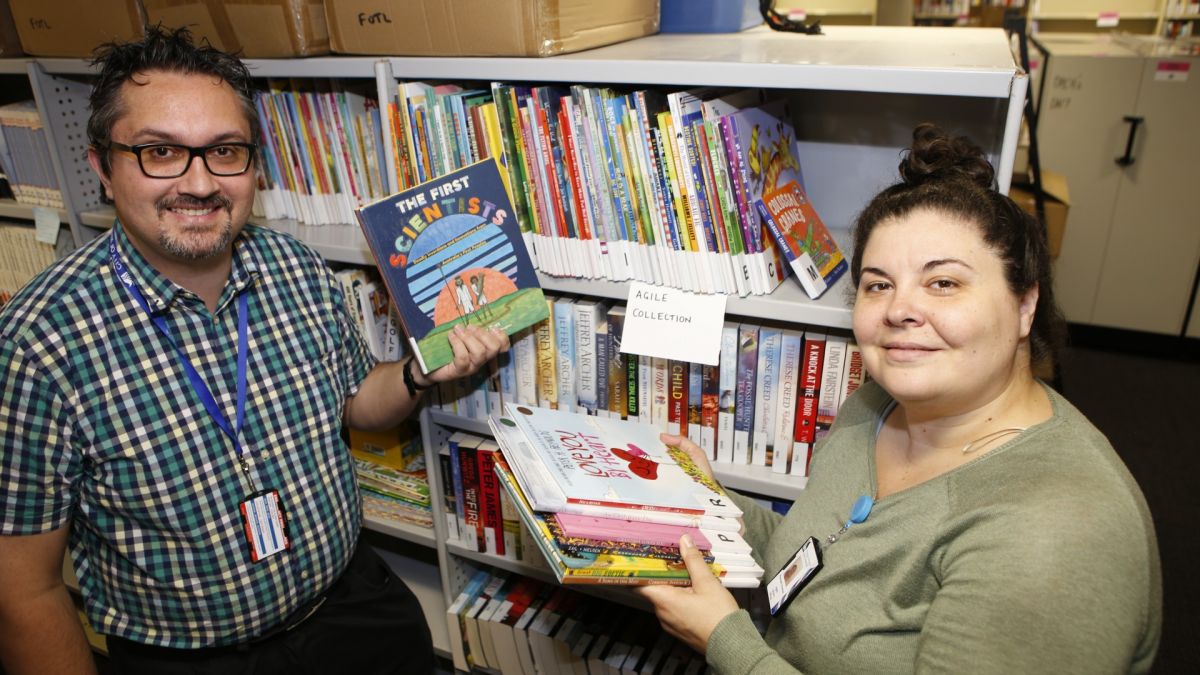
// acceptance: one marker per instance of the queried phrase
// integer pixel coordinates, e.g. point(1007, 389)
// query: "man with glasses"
point(172, 401)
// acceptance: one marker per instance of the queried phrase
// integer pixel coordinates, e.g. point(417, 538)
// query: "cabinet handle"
point(1134, 121)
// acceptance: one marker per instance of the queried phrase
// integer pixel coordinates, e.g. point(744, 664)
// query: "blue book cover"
point(450, 252)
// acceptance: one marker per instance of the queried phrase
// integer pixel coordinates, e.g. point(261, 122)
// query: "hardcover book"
point(450, 252)
point(802, 237)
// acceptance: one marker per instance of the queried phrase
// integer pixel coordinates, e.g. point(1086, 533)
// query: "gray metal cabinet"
point(1132, 243)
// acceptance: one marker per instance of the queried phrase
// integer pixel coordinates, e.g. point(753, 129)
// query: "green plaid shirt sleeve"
point(37, 473)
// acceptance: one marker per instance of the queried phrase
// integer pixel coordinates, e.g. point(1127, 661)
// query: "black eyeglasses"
point(166, 160)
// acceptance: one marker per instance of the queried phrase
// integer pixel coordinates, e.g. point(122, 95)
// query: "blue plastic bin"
point(708, 16)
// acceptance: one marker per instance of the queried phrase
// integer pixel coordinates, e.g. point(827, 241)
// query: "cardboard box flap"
point(205, 18)
point(1054, 185)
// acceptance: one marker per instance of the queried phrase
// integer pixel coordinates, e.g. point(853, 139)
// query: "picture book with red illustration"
point(450, 252)
point(592, 465)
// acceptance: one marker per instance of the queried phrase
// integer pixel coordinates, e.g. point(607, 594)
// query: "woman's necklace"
point(976, 444)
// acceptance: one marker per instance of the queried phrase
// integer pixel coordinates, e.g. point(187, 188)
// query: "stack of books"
point(607, 501)
point(391, 475)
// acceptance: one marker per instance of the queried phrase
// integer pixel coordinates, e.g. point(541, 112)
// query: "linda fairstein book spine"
point(450, 251)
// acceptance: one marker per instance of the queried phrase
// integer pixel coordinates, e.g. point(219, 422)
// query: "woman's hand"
point(694, 451)
point(474, 346)
point(691, 613)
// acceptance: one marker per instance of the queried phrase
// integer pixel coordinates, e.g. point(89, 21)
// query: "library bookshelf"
point(856, 94)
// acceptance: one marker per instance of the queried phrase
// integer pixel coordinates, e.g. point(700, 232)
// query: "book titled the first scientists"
point(450, 252)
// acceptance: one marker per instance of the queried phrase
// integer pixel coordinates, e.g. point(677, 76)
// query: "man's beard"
point(197, 246)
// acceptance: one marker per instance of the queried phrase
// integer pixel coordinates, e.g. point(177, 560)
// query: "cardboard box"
point(10, 44)
point(485, 27)
point(1057, 202)
point(205, 18)
point(73, 28)
point(255, 29)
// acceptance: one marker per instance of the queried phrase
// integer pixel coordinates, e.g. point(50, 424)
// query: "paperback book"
point(450, 252)
point(610, 567)
point(575, 463)
point(802, 237)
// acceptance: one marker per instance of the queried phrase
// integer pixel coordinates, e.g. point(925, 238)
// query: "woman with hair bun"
point(968, 518)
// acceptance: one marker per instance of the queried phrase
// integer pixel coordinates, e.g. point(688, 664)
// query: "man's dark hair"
point(162, 49)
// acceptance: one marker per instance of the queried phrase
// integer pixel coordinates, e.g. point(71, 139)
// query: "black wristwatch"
point(410, 382)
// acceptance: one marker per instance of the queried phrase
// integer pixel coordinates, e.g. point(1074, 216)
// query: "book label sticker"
point(673, 324)
point(1171, 71)
point(1108, 20)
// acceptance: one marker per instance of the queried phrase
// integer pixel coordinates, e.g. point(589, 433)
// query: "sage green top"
point(1037, 556)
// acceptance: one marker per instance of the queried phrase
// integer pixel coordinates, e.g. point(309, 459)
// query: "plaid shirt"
point(101, 429)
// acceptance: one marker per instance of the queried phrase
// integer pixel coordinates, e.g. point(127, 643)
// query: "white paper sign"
point(46, 225)
point(673, 324)
point(1108, 20)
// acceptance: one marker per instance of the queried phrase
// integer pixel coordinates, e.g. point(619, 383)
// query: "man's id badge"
point(266, 525)
point(794, 575)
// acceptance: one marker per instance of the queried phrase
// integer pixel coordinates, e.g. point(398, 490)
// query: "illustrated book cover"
point(802, 237)
point(575, 463)
point(450, 252)
point(583, 567)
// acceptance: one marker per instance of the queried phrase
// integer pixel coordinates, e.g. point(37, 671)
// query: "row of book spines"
point(773, 393)
point(22, 256)
point(25, 159)
point(479, 514)
point(607, 185)
point(372, 309)
point(322, 153)
point(520, 626)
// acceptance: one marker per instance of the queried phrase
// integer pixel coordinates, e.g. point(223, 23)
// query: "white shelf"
point(411, 533)
point(759, 480)
point(12, 209)
point(885, 59)
point(455, 547)
point(787, 303)
point(1093, 16)
point(345, 243)
point(17, 66)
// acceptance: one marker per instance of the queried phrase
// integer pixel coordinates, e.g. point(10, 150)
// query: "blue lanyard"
point(201, 389)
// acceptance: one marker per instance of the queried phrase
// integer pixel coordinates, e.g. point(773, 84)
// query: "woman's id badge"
point(266, 525)
point(794, 575)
